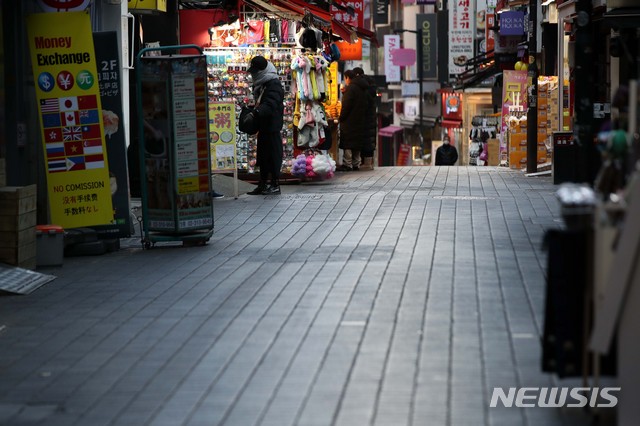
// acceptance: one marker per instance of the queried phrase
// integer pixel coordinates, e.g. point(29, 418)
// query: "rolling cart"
point(175, 160)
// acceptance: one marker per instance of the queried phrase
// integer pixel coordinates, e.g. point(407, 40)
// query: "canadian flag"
point(70, 118)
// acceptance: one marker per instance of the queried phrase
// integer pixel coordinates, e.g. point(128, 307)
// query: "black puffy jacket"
point(353, 115)
point(271, 107)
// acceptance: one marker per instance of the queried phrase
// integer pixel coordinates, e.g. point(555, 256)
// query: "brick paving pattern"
point(400, 296)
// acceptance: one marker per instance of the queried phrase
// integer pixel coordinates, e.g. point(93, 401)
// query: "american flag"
point(49, 105)
point(72, 133)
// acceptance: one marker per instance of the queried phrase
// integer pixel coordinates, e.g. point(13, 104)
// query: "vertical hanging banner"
point(108, 60)
point(461, 34)
point(514, 94)
point(391, 42)
point(428, 22)
point(381, 12)
point(70, 111)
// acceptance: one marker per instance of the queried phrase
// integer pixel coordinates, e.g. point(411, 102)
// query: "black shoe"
point(272, 190)
point(343, 168)
point(355, 169)
point(258, 189)
point(215, 194)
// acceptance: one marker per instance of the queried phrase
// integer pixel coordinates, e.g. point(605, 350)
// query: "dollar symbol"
point(46, 84)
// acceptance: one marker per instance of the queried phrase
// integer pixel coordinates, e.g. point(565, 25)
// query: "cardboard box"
point(517, 139)
point(493, 152)
point(517, 160)
point(17, 238)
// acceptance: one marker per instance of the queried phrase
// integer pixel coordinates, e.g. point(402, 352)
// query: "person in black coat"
point(268, 88)
point(369, 144)
point(352, 121)
point(446, 154)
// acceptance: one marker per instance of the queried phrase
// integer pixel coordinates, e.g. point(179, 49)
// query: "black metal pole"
point(532, 91)
point(420, 64)
point(583, 130)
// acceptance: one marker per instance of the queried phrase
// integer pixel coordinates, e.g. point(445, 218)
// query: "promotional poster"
point(70, 111)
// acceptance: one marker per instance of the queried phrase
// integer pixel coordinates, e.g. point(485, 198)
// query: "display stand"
point(175, 159)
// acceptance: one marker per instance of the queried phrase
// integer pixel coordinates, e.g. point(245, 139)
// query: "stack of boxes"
point(518, 140)
point(18, 226)
point(548, 108)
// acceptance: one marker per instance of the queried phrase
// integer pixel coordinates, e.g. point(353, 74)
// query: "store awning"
point(305, 9)
point(389, 131)
point(623, 17)
point(427, 121)
point(451, 123)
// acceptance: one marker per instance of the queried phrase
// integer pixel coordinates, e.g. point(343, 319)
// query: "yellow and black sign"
point(70, 111)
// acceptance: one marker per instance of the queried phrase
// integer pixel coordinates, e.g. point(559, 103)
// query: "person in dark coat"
point(446, 154)
point(369, 144)
point(352, 121)
point(270, 112)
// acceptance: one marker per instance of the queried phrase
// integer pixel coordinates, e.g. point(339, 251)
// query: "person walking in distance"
point(352, 121)
point(270, 110)
point(371, 128)
point(446, 154)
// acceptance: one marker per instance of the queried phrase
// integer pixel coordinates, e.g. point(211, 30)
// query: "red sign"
point(355, 19)
point(350, 51)
point(451, 106)
point(404, 155)
point(490, 36)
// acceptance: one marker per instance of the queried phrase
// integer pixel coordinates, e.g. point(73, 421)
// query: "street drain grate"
point(21, 281)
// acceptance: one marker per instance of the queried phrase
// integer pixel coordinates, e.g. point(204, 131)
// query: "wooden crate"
point(17, 200)
point(15, 223)
point(17, 238)
point(18, 255)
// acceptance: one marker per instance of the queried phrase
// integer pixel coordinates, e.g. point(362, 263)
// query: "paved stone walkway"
point(400, 296)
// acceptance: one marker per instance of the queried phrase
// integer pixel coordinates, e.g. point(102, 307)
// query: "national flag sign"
point(93, 146)
point(49, 105)
point(73, 148)
point(53, 135)
point(51, 120)
point(69, 118)
point(89, 116)
point(73, 133)
point(91, 132)
point(69, 103)
point(87, 102)
point(55, 150)
point(75, 163)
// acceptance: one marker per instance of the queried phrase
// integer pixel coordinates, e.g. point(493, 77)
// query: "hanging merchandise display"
point(312, 85)
point(229, 82)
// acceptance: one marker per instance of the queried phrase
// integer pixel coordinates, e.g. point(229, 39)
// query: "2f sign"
point(555, 397)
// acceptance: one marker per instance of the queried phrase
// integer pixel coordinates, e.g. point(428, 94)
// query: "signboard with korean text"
point(222, 130)
point(350, 51)
point(461, 34)
point(355, 19)
point(391, 42)
point(70, 112)
point(108, 60)
point(428, 22)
